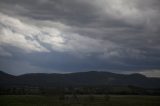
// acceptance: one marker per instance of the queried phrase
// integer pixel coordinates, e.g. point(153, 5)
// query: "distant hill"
point(91, 78)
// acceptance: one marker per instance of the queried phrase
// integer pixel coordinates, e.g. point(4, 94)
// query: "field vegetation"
point(79, 100)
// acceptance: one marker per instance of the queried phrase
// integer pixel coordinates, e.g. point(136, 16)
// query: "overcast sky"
point(64, 36)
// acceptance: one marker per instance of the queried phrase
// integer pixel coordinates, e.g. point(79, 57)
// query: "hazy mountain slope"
point(91, 78)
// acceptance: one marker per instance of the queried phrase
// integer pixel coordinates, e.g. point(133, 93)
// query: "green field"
point(85, 100)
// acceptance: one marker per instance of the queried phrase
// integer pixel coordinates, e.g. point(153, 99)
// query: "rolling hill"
point(91, 78)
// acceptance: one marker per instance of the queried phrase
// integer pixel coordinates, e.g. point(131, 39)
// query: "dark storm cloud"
point(74, 35)
point(70, 12)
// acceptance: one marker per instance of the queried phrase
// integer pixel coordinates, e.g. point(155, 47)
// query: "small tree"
point(75, 97)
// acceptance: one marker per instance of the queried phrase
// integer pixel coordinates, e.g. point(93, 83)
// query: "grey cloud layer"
point(122, 34)
point(45, 39)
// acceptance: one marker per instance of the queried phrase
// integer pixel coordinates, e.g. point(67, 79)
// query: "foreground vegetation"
point(79, 100)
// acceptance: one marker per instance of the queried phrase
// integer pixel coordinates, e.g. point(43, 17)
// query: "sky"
point(62, 36)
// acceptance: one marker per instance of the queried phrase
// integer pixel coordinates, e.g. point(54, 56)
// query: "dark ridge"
point(90, 78)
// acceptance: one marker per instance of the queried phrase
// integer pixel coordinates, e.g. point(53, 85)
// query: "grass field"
point(85, 100)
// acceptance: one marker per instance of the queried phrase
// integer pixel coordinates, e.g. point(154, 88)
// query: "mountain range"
point(90, 78)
